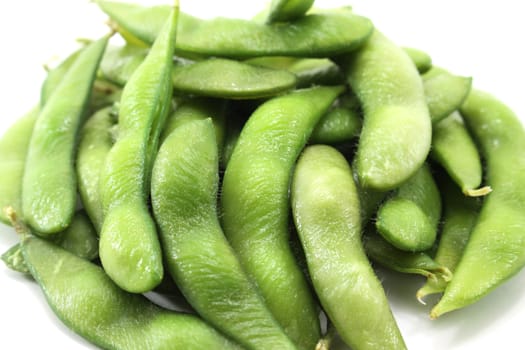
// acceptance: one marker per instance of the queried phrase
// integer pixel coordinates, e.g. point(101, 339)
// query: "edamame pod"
point(129, 247)
point(255, 204)
point(454, 150)
point(14, 259)
point(421, 59)
point(288, 10)
point(340, 124)
point(419, 263)
point(396, 134)
point(409, 218)
point(219, 77)
point(496, 248)
point(444, 92)
point(314, 35)
point(96, 139)
point(49, 181)
point(198, 109)
point(216, 77)
point(13, 152)
point(55, 76)
point(459, 216)
point(91, 305)
point(200, 259)
point(308, 71)
point(79, 238)
point(325, 206)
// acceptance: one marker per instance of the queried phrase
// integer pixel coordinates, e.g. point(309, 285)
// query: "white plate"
point(482, 39)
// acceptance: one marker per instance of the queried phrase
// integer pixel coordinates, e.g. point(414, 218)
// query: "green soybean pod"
point(454, 149)
point(420, 263)
point(396, 134)
point(198, 109)
point(55, 76)
point(288, 10)
point(338, 125)
point(120, 62)
point(13, 152)
point(496, 248)
point(444, 92)
point(314, 35)
point(79, 238)
point(88, 302)
point(308, 71)
point(96, 140)
point(459, 216)
point(14, 259)
point(409, 218)
point(421, 59)
point(129, 247)
point(325, 206)
point(224, 78)
point(200, 259)
point(255, 206)
point(49, 181)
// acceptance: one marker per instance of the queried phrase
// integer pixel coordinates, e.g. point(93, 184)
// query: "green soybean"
point(199, 258)
point(90, 304)
point(96, 139)
point(199, 109)
point(129, 247)
point(454, 149)
point(225, 78)
point(325, 206)
point(340, 124)
point(444, 92)
point(496, 248)
point(409, 218)
point(55, 76)
point(308, 71)
point(420, 263)
point(14, 259)
point(216, 77)
point(49, 181)
point(421, 59)
point(459, 216)
point(13, 152)
point(255, 204)
point(288, 10)
point(396, 134)
point(314, 35)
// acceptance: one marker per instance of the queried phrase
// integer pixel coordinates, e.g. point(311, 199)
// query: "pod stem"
point(478, 192)
point(17, 224)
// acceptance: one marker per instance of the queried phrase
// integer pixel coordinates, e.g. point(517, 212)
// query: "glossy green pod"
point(396, 134)
point(199, 258)
point(459, 216)
point(444, 92)
point(420, 263)
point(421, 59)
point(88, 302)
point(454, 149)
point(13, 152)
point(409, 218)
point(288, 10)
point(255, 207)
point(130, 251)
point(314, 35)
point(49, 182)
point(496, 248)
point(325, 206)
point(96, 139)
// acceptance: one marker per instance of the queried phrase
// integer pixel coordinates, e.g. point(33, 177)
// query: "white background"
point(482, 39)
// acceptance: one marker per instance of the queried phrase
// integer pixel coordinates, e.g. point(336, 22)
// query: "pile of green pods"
point(257, 171)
